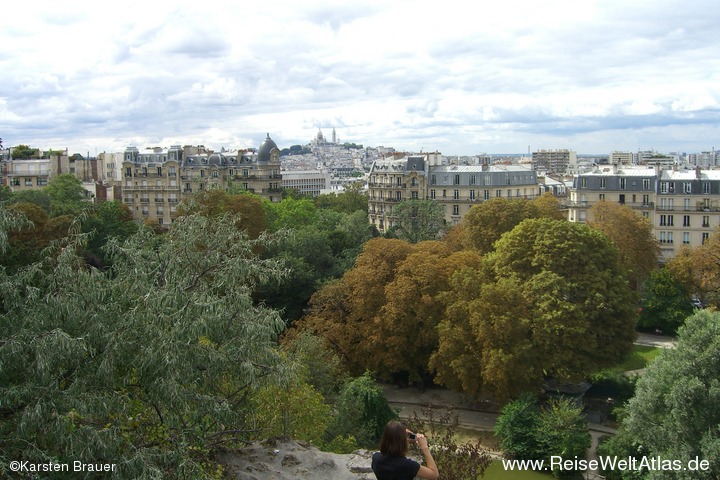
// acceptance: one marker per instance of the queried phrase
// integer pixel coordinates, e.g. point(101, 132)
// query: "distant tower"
point(334, 137)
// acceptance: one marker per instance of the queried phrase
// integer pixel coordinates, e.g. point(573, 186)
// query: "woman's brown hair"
point(394, 440)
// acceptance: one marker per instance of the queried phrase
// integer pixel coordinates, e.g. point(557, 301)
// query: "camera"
point(411, 436)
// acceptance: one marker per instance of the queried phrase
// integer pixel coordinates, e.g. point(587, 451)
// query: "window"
point(456, 194)
point(215, 174)
point(705, 236)
point(666, 220)
point(646, 184)
point(498, 193)
point(456, 210)
point(456, 180)
point(623, 183)
point(202, 173)
point(472, 194)
point(159, 170)
point(687, 187)
point(686, 238)
point(663, 187)
point(686, 204)
point(706, 221)
point(583, 182)
point(472, 179)
point(706, 187)
point(413, 182)
point(171, 171)
point(414, 195)
point(433, 180)
point(601, 197)
point(444, 193)
point(432, 194)
point(603, 182)
point(28, 182)
point(686, 220)
point(398, 196)
point(646, 200)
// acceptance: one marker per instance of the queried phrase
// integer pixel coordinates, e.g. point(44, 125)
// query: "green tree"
point(486, 222)
point(419, 220)
point(150, 363)
point(675, 413)
point(562, 430)
point(66, 195)
point(107, 220)
point(38, 197)
point(290, 213)
point(298, 411)
point(352, 199)
point(633, 236)
point(319, 365)
point(665, 303)
point(248, 208)
point(698, 269)
point(517, 426)
point(362, 411)
point(551, 300)
point(24, 152)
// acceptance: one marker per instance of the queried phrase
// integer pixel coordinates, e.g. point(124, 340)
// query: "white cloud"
point(593, 75)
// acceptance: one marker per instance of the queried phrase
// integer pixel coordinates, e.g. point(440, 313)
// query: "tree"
point(550, 301)
point(665, 303)
point(419, 220)
point(343, 311)
point(319, 365)
point(362, 411)
point(107, 220)
point(532, 432)
point(66, 194)
point(24, 152)
point(486, 222)
point(698, 269)
point(350, 200)
point(150, 363)
point(290, 213)
point(633, 236)
point(298, 411)
point(675, 413)
point(246, 207)
point(548, 205)
point(517, 426)
point(38, 197)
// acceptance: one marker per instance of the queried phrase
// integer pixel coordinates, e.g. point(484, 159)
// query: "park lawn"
point(640, 357)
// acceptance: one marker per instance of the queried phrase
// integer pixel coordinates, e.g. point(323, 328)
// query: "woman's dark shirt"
point(394, 468)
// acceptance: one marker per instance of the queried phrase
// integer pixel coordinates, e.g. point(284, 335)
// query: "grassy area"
point(496, 472)
point(640, 357)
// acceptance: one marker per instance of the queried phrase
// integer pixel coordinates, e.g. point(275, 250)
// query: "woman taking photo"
point(391, 462)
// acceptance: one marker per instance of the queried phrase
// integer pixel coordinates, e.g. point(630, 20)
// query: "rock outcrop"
point(286, 459)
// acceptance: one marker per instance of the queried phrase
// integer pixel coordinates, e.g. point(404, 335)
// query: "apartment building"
point(683, 205)
point(554, 161)
point(307, 182)
point(456, 187)
point(157, 179)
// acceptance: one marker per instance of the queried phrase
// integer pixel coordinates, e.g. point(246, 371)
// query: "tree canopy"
point(675, 413)
point(550, 301)
point(150, 362)
point(633, 236)
point(419, 220)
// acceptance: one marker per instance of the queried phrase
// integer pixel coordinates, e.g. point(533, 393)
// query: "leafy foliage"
point(675, 413)
point(633, 236)
point(150, 363)
point(419, 220)
point(529, 431)
point(551, 300)
point(698, 269)
point(665, 303)
point(24, 152)
point(456, 461)
point(361, 411)
point(67, 195)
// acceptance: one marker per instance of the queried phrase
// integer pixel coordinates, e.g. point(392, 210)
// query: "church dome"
point(266, 148)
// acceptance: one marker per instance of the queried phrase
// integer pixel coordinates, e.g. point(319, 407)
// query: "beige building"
point(307, 182)
point(682, 205)
point(156, 180)
point(554, 161)
point(456, 187)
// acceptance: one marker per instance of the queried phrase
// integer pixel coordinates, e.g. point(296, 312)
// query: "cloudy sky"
point(460, 77)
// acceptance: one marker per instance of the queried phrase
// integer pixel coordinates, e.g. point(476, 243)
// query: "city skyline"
point(501, 77)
